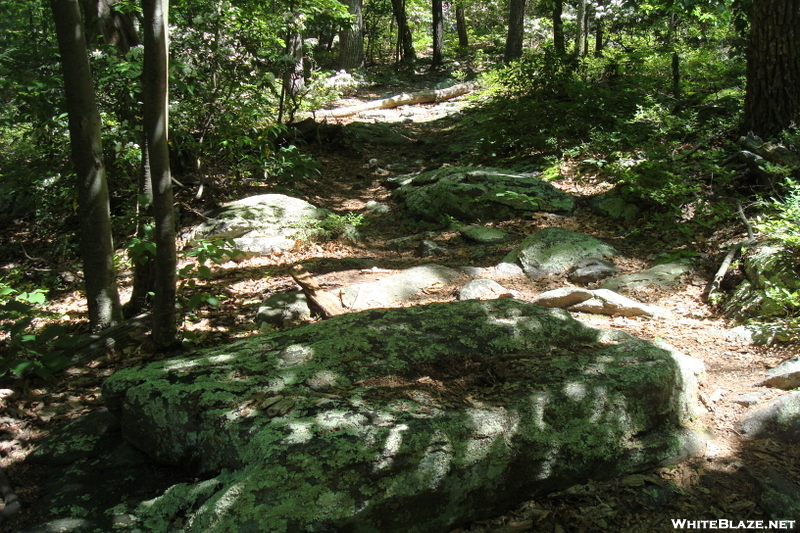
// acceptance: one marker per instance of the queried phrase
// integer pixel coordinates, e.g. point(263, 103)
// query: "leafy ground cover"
point(720, 484)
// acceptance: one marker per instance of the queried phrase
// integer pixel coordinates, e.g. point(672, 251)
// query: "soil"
point(723, 483)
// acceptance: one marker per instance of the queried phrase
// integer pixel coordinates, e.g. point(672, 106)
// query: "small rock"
point(484, 289)
point(377, 208)
point(590, 270)
point(484, 234)
point(428, 248)
point(749, 398)
point(508, 270)
point(666, 274)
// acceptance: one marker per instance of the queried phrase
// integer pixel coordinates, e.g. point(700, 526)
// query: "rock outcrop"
point(556, 250)
point(476, 193)
point(416, 419)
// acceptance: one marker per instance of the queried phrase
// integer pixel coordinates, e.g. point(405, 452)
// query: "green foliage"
point(331, 227)
point(42, 351)
point(781, 217)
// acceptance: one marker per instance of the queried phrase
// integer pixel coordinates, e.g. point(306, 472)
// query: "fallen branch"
point(327, 303)
point(716, 283)
point(433, 95)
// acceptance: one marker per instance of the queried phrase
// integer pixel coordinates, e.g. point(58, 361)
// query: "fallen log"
point(327, 303)
point(421, 97)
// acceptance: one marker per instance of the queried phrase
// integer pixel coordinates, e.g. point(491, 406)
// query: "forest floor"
point(720, 484)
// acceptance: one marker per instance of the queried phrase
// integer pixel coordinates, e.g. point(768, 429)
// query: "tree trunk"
point(581, 20)
point(598, 37)
point(772, 99)
point(156, 120)
point(106, 24)
point(558, 27)
point(97, 247)
point(438, 32)
point(351, 38)
point(143, 261)
point(516, 30)
point(461, 25)
point(405, 42)
point(293, 76)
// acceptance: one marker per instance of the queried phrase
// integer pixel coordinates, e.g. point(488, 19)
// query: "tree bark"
point(558, 27)
point(106, 24)
point(351, 38)
point(438, 32)
point(156, 120)
point(293, 76)
point(144, 275)
point(772, 99)
point(405, 42)
point(97, 247)
point(461, 25)
point(581, 21)
point(516, 30)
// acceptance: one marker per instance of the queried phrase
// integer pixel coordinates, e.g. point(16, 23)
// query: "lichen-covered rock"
point(771, 269)
point(416, 419)
point(591, 270)
point(484, 289)
point(284, 309)
point(665, 275)
point(469, 194)
point(555, 251)
point(260, 224)
point(404, 285)
point(598, 301)
point(779, 420)
point(484, 234)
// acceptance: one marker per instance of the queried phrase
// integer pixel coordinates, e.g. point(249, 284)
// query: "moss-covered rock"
point(771, 270)
point(556, 250)
point(416, 419)
point(477, 193)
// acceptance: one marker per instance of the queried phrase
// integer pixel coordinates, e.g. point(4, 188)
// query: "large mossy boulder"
point(415, 419)
point(555, 251)
point(770, 269)
point(476, 193)
point(260, 224)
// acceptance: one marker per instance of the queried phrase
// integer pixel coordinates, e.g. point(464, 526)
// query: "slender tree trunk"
point(144, 260)
point(558, 28)
point(404, 38)
point(598, 37)
point(461, 25)
point(351, 38)
point(772, 99)
point(438, 32)
point(156, 121)
point(97, 247)
point(581, 20)
point(293, 77)
point(516, 30)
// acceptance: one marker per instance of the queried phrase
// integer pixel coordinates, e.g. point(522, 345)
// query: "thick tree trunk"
point(461, 25)
point(438, 32)
point(772, 100)
point(581, 21)
point(97, 247)
point(558, 27)
point(516, 30)
point(351, 38)
point(105, 24)
point(405, 42)
point(156, 120)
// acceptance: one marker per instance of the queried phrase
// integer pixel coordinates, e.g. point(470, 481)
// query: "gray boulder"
point(598, 301)
point(404, 285)
point(284, 309)
point(555, 251)
point(260, 224)
point(785, 376)
point(780, 420)
point(477, 193)
point(666, 274)
point(355, 423)
point(484, 289)
point(591, 270)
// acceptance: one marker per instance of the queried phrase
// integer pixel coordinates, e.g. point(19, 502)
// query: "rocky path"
point(735, 479)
